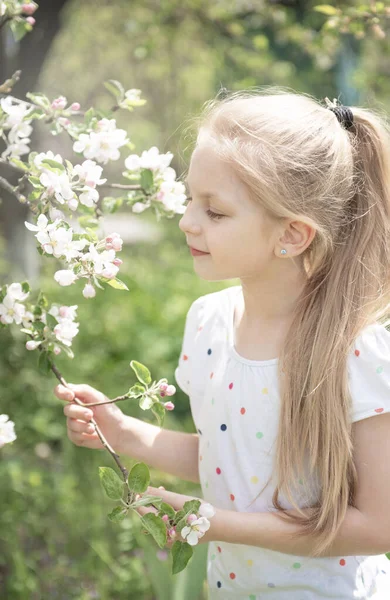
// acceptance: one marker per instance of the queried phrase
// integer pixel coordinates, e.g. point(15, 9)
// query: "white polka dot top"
point(235, 407)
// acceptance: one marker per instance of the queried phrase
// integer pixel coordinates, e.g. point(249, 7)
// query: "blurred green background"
point(55, 539)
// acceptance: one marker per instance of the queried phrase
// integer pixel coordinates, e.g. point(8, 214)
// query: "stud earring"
point(283, 251)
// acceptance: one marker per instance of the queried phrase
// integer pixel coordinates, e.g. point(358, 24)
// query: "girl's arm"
point(169, 451)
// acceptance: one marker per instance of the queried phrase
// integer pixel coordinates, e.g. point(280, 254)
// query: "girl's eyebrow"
point(206, 195)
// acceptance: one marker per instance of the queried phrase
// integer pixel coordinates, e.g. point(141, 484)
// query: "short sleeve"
point(369, 373)
point(185, 369)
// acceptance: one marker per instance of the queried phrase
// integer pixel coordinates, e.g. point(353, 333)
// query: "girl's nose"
point(186, 223)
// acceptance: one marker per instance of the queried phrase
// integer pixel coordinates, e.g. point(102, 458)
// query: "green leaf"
point(25, 287)
point(139, 478)
point(38, 326)
point(181, 554)
point(166, 509)
point(156, 500)
point(87, 221)
point(142, 372)
point(111, 483)
point(117, 284)
point(19, 28)
point(117, 514)
point(20, 164)
point(42, 300)
point(146, 402)
point(35, 181)
point(327, 9)
point(146, 179)
point(51, 321)
point(136, 390)
point(116, 89)
point(39, 99)
point(53, 164)
point(35, 113)
point(44, 363)
point(156, 528)
point(191, 506)
point(159, 412)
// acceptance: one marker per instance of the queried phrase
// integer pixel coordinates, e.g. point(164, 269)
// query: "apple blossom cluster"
point(50, 329)
point(7, 430)
point(102, 143)
point(170, 193)
point(66, 185)
point(14, 121)
point(85, 258)
point(12, 309)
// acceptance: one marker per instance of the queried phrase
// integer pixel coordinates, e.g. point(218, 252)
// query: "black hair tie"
point(343, 113)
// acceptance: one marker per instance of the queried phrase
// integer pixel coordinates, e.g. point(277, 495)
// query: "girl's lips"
point(198, 252)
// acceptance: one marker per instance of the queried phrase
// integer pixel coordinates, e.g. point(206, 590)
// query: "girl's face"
point(221, 219)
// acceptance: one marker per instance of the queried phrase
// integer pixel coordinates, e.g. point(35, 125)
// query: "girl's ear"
point(297, 236)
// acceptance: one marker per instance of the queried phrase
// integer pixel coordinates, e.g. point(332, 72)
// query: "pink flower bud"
point(117, 262)
point(57, 350)
point(172, 533)
point(59, 103)
point(163, 387)
point(109, 239)
point(138, 496)
point(170, 390)
point(64, 121)
point(117, 244)
point(165, 518)
point(169, 406)
point(191, 518)
point(32, 345)
point(30, 21)
point(29, 8)
point(75, 106)
point(89, 291)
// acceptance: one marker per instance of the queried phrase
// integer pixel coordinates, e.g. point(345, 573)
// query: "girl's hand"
point(108, 417)
point(177, 502)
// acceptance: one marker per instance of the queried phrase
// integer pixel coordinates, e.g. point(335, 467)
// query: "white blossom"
point(65, 277)
point(43, 225)
point(89, 197)
point(149, 159)
point(66, 331)
point(89, 173)
point(15, 291)
point(7, 431)
point(195, 530)
point(11, 311)
point(102, 145)
point(44, 156)
point(57, 185)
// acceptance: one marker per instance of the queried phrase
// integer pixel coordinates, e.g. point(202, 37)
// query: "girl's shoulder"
point(369, 372)
point(212, 306)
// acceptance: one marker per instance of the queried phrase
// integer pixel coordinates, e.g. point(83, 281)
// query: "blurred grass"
point(55, 538)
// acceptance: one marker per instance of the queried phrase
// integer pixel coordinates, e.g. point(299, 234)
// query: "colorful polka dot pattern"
point(254, 479)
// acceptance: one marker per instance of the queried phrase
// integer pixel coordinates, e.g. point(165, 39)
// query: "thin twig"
point(12, 190)
point(115, 456)
point(121, 186)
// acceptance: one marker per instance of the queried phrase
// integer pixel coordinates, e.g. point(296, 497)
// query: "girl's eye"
point(214, 215)
point(210, 213)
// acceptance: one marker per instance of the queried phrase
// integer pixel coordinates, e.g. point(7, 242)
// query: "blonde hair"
point(298, 162)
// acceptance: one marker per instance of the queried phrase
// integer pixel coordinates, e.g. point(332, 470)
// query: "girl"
point(288, 374)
